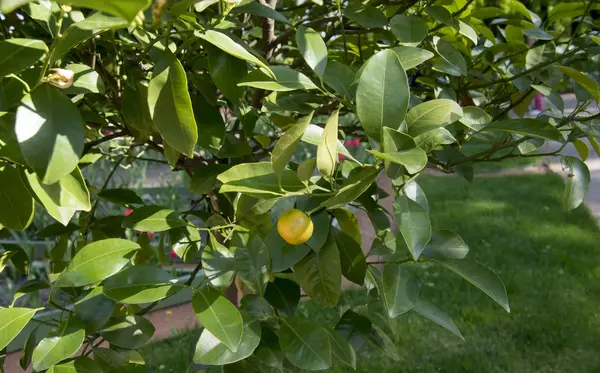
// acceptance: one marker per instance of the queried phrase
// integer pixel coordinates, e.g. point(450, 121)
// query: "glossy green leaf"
point(97, 261)
point(341, 349)
point(382, 94)
point(454, 61)
point(205, 180)
point(436, 315)
point(50, 132)
point(413, 224)
point(29, 287)
point(321, 223)
point(582, 149)
point(584, 80)
point(367, 16)
point(94, 309)
point(260, 10)
point(17, 204)
point(540, 54)
point(7, 6)
point(153, 219)
point(413, 191)
point(186, 242)
point(171, 106)
point(108, 359)
point(305, 344)
point(18, 54)
point(409, 30)
point(320, 274)
point(479, 276)
point(85, 80)
point(257, 307)
point(578, 181)
point(306, 169)
point(128, 9)
point(121, 196)
point(219, 316)
point(283, 255)
point(79, 365)
point(431, 140)
point(226, 71)
point(258, 179)
point(440, 14)
point(327, 156)
point(313, 135)
point(339, 77)
point(355, 328)
point(431, 115)
point(130, 332)
point(218, 264)
point(253, 265)
point(527, 126)
point(61, 343)
point(313, 49)
point(475, 118)
point(352, 258)
point(228, 45)
point(400, 290)
point(27, 352)
point(12, 91)
point(9, 146)
point(446, 244)
point(269, 352)
point(140, 284)
point(411, 57)
point(284, 295)
point(211, 350)
point(414, 160)
point(285, 79)
point(348, 223)
point(538, 34)
point(353, 187)
point(135, 111)
point(285, 146)
point(13, 321)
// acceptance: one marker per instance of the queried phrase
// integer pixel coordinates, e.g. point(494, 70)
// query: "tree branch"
point(268, 35)
point(89, 145)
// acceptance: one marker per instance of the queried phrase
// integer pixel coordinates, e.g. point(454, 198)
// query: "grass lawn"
point(549, 261)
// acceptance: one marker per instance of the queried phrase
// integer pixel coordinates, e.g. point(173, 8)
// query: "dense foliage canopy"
point(229, 92)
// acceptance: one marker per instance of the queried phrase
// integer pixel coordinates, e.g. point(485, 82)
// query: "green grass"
point(549, 261)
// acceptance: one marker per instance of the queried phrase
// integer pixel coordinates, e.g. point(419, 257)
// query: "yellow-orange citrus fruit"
point(295, 227)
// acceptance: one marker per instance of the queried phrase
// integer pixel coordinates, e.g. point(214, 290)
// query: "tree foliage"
point(225, 91)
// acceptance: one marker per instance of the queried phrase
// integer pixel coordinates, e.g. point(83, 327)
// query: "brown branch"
point(268, 35)
point(89, 145)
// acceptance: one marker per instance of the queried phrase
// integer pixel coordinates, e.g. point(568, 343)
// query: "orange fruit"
point(295, 227)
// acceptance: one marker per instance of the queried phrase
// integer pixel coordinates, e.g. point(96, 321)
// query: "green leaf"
point(285, 146)
point(94, 309)
point(7, 6)
point(228, 45)
point(306, 169)
point(284, 295)
point(50, 132)
point(61, 343)
point(475, 118)
point(211, 351)
point(527, 126)
point(219, 316)
point(413, 159)
point(446, 244)
point(29, 287)
point(413, 191)
point(125, 9)
point(97, 261)
point(13, 321)
point(479, 276)
point(341, 349)
point(136, 115)
point(218, 264)
point(400, 290)
point(436, 315)
point(321, 223)
point(56, 229)
point(153, 219)
point(258, 179)
point(19, 54)
point(411, 57)
point(17, 205)
point(284, 79)
point(413, 224)
point(467, 31)
point(440, 14)
point(12, 91)
point(253, 265)
point(27, 352)
point(108, 358)
point(283, 255)
point(313, 49)
point(313, 135)
point(258, 307)
point(587, 82)
point(186, 244)
point(320, 274)
point(130, 332)
point(538, 34)
point(382, 94)
point(339, 77)
point(409, 30)
point(431, 115)
point(327, 156)
point(431, 140)
point(268, 352)
point(9, 146)
point(582, 149)
point(121, 196)
point(348, 223)
point(353, 187)
point(63, 198)
point(226, 71)
point(540, 54)
point(171, 106)
point(79, 365)
point(85, 80)
point(140, 284)
point(305, 343)
point(454, 61)
point(367, 16)
point(261, 10)
point(578, 182)
point(355, 328)
point(352, 258)
point(205, 180)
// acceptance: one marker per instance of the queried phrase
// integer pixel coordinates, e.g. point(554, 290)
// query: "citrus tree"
point(226, 91)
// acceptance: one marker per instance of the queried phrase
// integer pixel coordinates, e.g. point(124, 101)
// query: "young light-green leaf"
point(285, 146)
point(431, 115)
point(153, 219)
point(61, 343)
point(382, 94)
point(414, 160)
point(127, 9)
point(259, 179)
point(587, 82)
point(327, 155)
point(313, 49)
point(13, 321)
